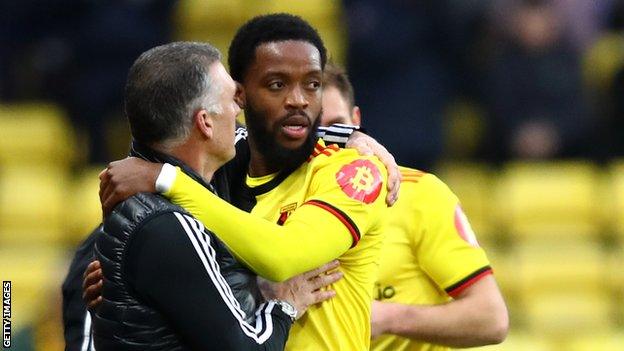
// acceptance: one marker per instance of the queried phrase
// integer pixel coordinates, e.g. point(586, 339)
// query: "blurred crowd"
point(454, 79)
point(489, 80)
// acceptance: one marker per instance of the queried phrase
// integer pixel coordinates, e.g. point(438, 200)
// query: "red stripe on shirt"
point(465, 285)
point(342, 217)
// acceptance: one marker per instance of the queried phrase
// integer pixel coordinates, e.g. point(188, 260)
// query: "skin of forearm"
point(468, 321)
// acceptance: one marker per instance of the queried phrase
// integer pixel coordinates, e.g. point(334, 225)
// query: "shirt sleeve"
point(331, 221)
point(171, 265)
point(448, 250)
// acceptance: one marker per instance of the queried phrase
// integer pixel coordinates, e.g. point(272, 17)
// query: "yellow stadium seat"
point(615, 198)
point(565, 313)
point(505, 271)
point(537, 200)
point(218, 37)
point(616, 282)
point(35, 133)
point(519, 342)
point(324, 15)
point(323, 10)
point(472, 183)
point(562, 286)
point(560, 265)
point(84, 209)
point(216, 22)
point(32, 205)
point(596, 342)
point(616, 272)
point(201, 15)
point(35, 273)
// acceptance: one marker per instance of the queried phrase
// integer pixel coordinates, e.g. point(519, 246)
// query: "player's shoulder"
point(322, 152)
point(360, 177)
point(331, 155)
point(427, 187)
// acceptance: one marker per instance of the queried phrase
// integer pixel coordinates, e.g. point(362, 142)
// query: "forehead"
point(289, 56)
point(220, 75)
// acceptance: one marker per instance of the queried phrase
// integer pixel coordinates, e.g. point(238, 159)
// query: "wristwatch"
point(287, 308)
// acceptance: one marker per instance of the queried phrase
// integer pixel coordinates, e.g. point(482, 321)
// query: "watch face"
point(288, 308)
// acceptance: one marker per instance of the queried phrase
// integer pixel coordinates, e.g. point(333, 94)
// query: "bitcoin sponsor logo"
point(360, 180)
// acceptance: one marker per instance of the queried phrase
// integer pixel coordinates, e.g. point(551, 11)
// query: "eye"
point(276, 85)
point(314, 85)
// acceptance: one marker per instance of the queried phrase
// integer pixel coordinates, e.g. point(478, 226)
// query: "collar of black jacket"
point(147, 153)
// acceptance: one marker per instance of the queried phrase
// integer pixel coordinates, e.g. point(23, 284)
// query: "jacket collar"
point(147, 153)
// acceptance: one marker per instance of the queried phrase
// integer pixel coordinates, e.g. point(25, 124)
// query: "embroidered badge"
point(360, 180)
point(285, 212)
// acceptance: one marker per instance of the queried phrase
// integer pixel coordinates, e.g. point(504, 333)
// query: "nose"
point(296, 98)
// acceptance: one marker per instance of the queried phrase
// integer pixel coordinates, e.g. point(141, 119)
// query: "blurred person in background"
point(398, 64)
point(435, 289)
point(605, 76)
point(617, 118)
point(533, 88)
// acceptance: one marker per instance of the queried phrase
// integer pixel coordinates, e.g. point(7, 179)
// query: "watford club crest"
point(285, 212)
point(360, 180)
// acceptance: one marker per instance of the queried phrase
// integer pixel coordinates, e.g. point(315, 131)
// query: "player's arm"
point(477, 316)
point(323, 231)
point(320, 230)
point(196, 302)
point(448, 252)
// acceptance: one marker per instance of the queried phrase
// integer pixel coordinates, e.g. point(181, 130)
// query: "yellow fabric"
point(423, 254)
point(309, 237)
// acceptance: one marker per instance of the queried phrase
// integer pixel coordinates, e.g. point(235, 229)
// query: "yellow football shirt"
point(333, 206)
point(429, 254)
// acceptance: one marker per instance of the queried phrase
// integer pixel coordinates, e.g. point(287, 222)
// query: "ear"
point(356, 116)
point(239, 97)
point(204, 123)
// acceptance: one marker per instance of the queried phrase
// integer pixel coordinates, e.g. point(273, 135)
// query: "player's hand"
point(92, 285)
point(305, 289)
point(368, 146)
point(124, 178)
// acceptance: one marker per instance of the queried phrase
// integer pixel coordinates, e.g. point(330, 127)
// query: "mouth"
point(296, 127)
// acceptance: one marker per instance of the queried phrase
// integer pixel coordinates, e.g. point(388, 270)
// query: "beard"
point(275, 155)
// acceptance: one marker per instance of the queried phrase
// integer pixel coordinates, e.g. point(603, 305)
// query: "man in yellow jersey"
point(309, 202)
point(435, 285)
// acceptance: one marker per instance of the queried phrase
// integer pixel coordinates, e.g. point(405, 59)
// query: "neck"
point(193, 156)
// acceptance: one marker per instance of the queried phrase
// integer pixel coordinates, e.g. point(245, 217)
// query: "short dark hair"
point(266, 29)
point(336, 76)
point(164, 88)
